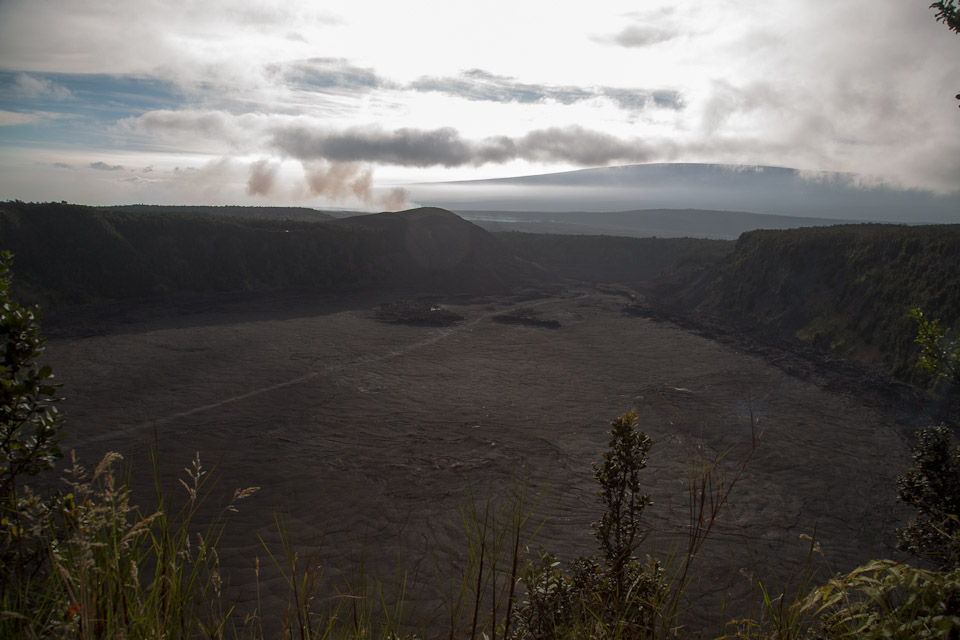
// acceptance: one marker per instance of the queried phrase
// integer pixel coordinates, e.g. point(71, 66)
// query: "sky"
point(340, 104)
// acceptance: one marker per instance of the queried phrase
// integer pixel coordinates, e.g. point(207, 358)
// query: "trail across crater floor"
point(372, 437)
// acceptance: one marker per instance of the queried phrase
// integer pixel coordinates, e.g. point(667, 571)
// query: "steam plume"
point(262, 176)
point(339, 181)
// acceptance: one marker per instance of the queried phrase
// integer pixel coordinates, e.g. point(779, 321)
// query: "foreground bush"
point(615, 590)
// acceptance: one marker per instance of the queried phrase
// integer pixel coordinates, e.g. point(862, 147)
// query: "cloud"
point(582, 147)
point(853, 102)
point(139, 180)
point(337, 76)
point(480, 85)
point(31, 87)
point(727, 101)
point(262, 176)
point(150, 36)
point(194, 128)
point(103, 166)
point(209, 124)
point(327, 75)
point(403, 147)
point(643, 36)
point(62, 165)
point(307, 140)
point(445, 147)
point(638, 99)
point(15, 118)
point(483, 86)
point(272, 15)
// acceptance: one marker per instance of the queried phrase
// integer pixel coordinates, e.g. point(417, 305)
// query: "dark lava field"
point(368, 436)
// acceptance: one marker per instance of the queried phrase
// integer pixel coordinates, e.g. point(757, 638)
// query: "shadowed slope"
point(68, 254)
point(436, 249)
point(846, 288)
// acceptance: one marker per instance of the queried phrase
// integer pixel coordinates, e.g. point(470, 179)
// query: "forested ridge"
point(68, 254)
point(846, 288)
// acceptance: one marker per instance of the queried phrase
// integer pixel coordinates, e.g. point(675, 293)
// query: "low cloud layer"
point(308, 140)
point(447, 148)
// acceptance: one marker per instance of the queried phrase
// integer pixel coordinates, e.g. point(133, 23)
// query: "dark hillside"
point(614, 259)
point(67, 254)
point(445, 251)
point(846, 288)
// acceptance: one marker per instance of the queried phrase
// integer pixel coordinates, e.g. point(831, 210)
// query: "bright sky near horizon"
point(337, 103)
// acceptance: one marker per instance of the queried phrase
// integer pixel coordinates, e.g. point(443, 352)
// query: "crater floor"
point(369, 438)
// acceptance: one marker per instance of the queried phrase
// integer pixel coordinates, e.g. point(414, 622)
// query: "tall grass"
point(114, 571)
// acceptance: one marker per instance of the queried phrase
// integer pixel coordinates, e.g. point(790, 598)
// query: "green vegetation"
point(68, 254)
point(87, 563)
point(888, 599)
point(847, 288)
point(932, 487)
point(615, 591)
point(30, 430)
point(939, 350)
point(850, 288)
point(949, 14)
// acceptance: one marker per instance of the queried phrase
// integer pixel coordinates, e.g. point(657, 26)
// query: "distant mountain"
point(652, 223)
point(756, 189)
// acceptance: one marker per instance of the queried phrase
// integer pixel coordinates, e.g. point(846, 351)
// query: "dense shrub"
point(614, 592)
